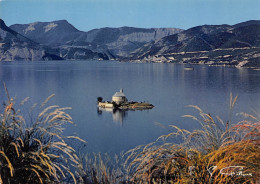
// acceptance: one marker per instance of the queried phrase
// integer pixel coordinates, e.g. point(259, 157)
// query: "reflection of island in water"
point(117, 114)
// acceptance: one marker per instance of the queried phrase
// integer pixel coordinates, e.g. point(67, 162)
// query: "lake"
point(169, 87)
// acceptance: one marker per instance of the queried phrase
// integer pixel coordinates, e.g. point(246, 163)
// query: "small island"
point(119, 101)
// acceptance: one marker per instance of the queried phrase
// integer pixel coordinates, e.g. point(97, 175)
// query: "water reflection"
point(169, 87)
point(118, 115)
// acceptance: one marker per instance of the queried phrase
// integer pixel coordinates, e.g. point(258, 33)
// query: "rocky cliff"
point(48, 33)
point(213, 44)
point(14, 46)
point(111, 42)
point(208, 44)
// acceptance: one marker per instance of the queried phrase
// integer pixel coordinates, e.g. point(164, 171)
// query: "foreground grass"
point(217, 153)
point(36, 151)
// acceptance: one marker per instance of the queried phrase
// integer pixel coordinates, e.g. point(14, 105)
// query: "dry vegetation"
point(218, 152)
point(98, 168)
point(35, 151)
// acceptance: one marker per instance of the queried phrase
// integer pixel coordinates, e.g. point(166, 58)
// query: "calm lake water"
point(169, 87)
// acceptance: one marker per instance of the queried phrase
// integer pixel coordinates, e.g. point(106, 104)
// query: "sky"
point(90, 14)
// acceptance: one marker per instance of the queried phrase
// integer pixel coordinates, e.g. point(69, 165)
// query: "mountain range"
point(113, 42)
point(208, 44)
point(14, 46)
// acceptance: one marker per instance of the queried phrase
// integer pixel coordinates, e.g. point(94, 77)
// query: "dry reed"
point(35, 151)
point(218, 152)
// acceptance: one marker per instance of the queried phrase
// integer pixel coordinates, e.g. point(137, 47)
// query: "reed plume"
point(34, 150)
point(218, 152)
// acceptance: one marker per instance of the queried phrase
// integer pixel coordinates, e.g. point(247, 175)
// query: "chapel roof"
point(119, 94)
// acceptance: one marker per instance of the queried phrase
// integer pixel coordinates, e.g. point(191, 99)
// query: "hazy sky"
point(89, 14)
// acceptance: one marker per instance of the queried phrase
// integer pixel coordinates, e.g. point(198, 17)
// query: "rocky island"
point(119, 101)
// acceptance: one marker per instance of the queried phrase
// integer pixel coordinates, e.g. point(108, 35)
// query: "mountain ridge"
point(52, 31)
point(236, 44)
point(117, 41)
point(14, 46)
point(205, 38)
